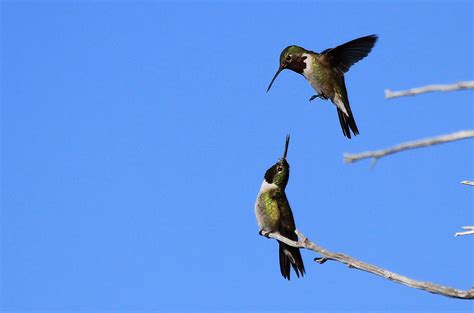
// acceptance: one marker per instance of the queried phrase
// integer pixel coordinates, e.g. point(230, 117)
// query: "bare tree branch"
point(354, 263)
point(464, 134)
point(469, 231)
point(430, 88)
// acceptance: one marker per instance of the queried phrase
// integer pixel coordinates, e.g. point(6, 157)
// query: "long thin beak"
point(287, 143)
point(274, 77)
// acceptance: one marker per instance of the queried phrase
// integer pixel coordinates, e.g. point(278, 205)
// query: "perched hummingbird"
point(274, 214)
point(325, 72)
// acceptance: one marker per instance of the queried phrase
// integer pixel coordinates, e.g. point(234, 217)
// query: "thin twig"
point(430, 88)
point(464, 134)
point(354, 263)
point(469, 231)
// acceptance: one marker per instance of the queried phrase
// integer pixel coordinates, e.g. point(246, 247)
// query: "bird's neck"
point(266, 186)
point(308, 71)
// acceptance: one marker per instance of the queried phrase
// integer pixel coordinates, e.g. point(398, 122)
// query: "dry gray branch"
point(464, 134)
point(354, 263)
point(469, 231)
point(416, 91)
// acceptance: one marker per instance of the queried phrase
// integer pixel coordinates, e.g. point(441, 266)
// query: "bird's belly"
point(267, 217)
point(314, 83)
point(322, 86)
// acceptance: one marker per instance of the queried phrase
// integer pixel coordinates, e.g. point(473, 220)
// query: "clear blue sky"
point(135, 136)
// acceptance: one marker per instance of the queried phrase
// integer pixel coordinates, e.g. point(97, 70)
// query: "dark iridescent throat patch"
point(270, 173)
point(298, 65)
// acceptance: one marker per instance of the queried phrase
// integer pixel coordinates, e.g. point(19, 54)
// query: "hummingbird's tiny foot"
point(313, 97)
point(264, 233)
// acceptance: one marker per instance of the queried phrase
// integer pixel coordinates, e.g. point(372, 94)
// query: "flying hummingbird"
point(274, 214)
point(325, 72)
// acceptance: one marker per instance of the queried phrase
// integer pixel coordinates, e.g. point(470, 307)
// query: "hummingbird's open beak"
point(274, 77)
point(287, 143)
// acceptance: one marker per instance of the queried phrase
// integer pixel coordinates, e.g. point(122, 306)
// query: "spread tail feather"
point(290, 256)
point(346, 120)
point(347, 123)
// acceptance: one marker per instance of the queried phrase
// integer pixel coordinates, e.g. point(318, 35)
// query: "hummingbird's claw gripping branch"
point(366, 267)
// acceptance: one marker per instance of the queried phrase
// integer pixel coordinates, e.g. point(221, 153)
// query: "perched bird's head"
point(279, 173)
point(291, 58)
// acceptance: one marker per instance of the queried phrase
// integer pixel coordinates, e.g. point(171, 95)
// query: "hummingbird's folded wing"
point(344, 56)
point(287, 222)
point(288, 255)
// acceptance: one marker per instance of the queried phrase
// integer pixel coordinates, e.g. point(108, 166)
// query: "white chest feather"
point(308, 71)
point(266, 186)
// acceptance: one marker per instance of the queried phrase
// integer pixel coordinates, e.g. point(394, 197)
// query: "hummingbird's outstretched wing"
point(288, 255)
point(342, 57)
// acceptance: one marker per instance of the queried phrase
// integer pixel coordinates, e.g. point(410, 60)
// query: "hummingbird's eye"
point(288, 58)
point(279, 169)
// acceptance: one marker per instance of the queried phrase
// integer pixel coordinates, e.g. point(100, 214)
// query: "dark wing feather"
point(286, 225)
point(344, 56)
point(288, 255)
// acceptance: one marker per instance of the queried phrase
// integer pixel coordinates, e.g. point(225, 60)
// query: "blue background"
point(135, 136)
